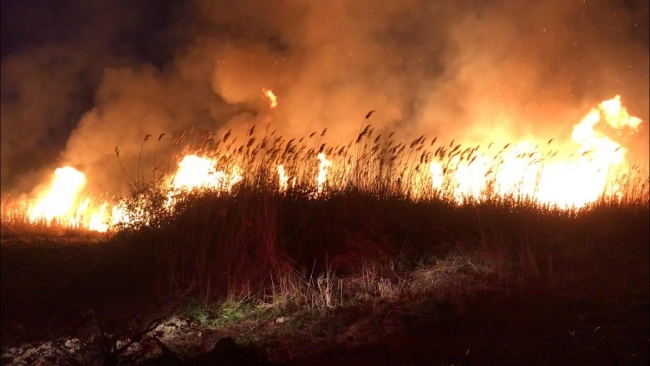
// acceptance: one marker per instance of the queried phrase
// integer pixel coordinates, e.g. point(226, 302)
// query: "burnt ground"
point(596, 313)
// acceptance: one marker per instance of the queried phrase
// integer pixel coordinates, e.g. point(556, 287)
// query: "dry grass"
point(377, 233)
point(16, 223)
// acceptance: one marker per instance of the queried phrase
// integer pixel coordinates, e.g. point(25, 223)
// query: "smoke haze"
point(475, 71)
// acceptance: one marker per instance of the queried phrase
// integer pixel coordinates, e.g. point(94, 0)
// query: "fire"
point(283, 179)
point(524, 171)
point(323, 166)
point(98, 221)
point(59, 201)
point(196, 172)
point(272, 97)
point(591, 175)
point(602, 148)
point(62, 203)
point(617, 116)
point(520, 170)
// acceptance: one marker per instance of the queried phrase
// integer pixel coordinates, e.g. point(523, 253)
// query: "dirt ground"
point(596, 315)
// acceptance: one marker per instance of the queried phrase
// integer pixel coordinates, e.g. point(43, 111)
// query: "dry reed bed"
point(377, 164)
point(378, 210)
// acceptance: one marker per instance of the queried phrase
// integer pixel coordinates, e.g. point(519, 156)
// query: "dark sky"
point(82, 76)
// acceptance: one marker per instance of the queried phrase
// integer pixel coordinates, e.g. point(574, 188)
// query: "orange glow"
point(522, 170)
point(584, 170)
point(63, 204)
point(98, 219)
point(323, 166)
point(283, 179)
point(58, 202)
point(195, 172)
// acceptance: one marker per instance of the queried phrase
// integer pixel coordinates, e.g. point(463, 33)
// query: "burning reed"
point(289, 220)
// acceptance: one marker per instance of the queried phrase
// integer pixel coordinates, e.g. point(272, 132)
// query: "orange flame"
point(59, 201)
point(518, 170)
point(283, 179)
point(323, 166)
point(523, 171)
point(195, 172)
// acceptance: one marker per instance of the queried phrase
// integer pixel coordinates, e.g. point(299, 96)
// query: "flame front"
point(522, 170)
point(60, 201)
point(195, 172)
point(519, 170)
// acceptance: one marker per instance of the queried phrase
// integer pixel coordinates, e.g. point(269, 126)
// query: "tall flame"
point(283, 179)
point(524, 171)
point(59, 201)
point(323, 166)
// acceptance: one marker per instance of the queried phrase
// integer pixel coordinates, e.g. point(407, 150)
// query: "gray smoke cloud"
point(474, 71)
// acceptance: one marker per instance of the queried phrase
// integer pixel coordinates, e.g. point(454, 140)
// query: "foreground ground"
point(594, 311)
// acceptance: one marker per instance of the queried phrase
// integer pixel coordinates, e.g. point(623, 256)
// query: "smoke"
point(35, 122)
point(474, 71)
point(53, 57)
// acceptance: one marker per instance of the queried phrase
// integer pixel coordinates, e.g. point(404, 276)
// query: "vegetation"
point(363, 238)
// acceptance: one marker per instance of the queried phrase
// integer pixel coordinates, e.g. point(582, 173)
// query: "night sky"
point(80, 77)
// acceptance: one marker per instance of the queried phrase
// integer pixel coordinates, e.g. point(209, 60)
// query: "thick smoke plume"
point(475, 71)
